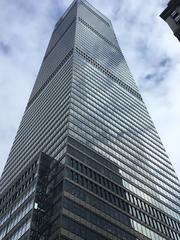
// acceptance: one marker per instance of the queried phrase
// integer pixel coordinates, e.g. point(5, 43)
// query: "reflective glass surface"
point(86, 107)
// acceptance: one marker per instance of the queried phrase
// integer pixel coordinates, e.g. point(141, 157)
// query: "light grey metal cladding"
point(85, 109)
point(98, 41)
point(63, 43)
point(43, 125)
point(93, 17)
point(61, 27)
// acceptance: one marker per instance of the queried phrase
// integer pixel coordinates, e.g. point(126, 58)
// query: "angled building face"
point(87, 162)
point(171, 15)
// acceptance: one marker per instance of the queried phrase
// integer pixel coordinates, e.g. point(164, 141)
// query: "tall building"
point(87, 162)
point(171, 15)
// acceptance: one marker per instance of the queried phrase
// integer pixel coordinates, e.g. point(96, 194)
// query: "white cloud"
point(151, 50)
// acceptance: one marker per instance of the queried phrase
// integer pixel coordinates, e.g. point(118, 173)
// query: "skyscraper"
point(171, 15)
point(87, 162)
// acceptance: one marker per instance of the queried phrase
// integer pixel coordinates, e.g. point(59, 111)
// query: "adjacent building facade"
point(87, 161)
point(171, 15)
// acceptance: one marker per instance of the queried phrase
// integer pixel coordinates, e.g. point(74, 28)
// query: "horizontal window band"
point(112, 176)
point(98, 34)
point(49, 52)
point(50, 78)
point(96, 14)
point(109, 74)
point(79, 138)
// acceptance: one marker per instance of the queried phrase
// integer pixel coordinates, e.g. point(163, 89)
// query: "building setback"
point(171, 15)
point(87, 161)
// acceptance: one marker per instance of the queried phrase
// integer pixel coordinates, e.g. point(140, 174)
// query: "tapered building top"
point(171, 15)
point(87, 162)
point(71, 35)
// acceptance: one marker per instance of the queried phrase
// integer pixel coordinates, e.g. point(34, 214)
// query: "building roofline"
point(170, 6)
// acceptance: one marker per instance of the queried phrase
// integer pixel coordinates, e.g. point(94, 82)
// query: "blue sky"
point(151, 50)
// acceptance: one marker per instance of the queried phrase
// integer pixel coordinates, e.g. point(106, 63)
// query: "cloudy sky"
point(151, 50)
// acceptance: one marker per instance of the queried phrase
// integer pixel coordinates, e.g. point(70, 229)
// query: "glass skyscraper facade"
point(87, 161)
